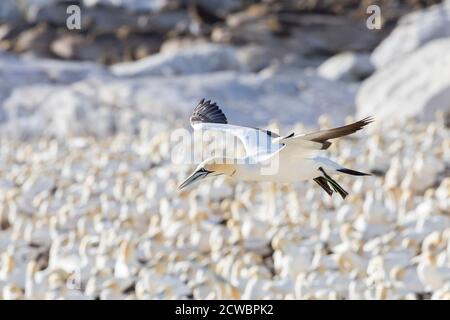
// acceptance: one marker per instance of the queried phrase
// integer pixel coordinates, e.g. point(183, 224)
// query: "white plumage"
point(270, 157)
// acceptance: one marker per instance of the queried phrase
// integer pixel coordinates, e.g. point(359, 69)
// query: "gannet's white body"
point(270, 157)
point(306, 170)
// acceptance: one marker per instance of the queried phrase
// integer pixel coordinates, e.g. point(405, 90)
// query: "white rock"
point(203, 58)
point(346, 66)
point(391, 95)
point(412, 32)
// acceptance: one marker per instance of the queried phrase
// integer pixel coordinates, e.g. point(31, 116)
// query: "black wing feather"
point(207, 111)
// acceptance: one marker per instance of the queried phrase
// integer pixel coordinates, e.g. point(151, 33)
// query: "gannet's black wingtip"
point(367, 120)
point(209, 112)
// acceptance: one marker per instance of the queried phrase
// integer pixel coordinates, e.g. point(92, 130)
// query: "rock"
point(324, 34)
point(346, 66)
point(108, 21)
point(200, 59)
point(254, 58)
point(26, 70)
point(21, 118)
point(392, 10)
point(71, 114)
point(5, 32)
point(308, 35)
point(68, 46)
point(391, 94)
point(47, 11)
point(164, 22)
point(19, 73)
point(10, 12)
point(247, 99)
point(103, 49)
point(129, 5)
point(104, 16)
point(173, 45)
point(36, 41)
point(141, 46)
point(412, 32)
point(220, 8)
point(60, 112)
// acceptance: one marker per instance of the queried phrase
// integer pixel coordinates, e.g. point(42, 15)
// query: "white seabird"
point(296, 156)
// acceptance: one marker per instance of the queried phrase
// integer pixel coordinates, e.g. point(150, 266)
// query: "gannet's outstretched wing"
point(207, 112)
point(320, 138)
point(208, 116)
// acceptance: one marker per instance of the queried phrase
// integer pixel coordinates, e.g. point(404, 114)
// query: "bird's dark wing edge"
point(324, 135)
point(210, 112)
point(207, 112)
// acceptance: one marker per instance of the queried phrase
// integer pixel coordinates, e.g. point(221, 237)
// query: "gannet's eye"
point(204, 170)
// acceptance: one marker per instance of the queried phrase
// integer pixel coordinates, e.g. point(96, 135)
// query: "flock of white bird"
point(92, 218)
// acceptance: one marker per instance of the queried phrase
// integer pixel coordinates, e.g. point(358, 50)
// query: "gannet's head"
point(209, 168)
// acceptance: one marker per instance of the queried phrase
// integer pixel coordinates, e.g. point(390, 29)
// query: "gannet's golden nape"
point(296, 155)
point(210, 167)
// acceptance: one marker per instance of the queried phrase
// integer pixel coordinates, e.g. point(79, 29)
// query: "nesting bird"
point(270, 157)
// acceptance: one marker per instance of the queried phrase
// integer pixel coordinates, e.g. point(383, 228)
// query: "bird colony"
point(101, 218)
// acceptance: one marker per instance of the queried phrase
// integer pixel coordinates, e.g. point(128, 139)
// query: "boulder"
point(129, 5)
point(255, 58)
point(35, 41)
point(220, 8)
point(16, 70)
point(61, 111)
point(347, 66)
point(202, 59)
point(107, 16)
point(48, 11)
point(27, 82)
point(416, 86)
point(314, 34)
point(10, 12)
point(412, 32)
point(62, 99)
point(247, 99)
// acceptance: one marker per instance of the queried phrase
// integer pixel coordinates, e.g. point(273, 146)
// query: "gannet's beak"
point(197, 175)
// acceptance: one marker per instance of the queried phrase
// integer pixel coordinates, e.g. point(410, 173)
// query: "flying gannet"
point(296, 156)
